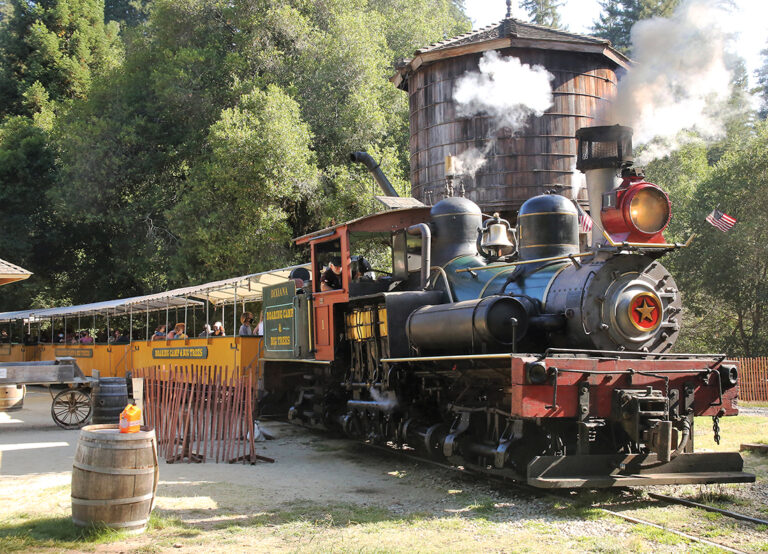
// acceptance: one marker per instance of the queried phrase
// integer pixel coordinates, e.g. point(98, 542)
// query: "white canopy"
point(13, 316)
point(122, 306)
point(247, 288)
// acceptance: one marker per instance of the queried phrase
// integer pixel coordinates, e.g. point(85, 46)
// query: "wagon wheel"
point(71, 408)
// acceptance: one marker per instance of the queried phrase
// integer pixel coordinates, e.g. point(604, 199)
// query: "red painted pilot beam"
point(529, 401)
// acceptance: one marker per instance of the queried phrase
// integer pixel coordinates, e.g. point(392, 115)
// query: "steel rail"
point(533, 491)
point(694, 538)
point(692, 504)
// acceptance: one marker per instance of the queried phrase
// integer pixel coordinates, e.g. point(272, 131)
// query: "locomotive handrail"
point(634, 371)
point(624, 353)
point(549, 351)
point(456, 357)
point(514, 264)
point(583, 254)
point(647, 244)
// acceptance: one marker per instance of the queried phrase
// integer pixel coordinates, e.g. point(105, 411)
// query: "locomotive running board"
point(619, 470)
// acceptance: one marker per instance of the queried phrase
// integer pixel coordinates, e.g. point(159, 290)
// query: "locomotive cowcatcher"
point(509, 350)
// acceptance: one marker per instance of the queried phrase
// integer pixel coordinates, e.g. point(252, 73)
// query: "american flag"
point(720, 220)
point(585, 222)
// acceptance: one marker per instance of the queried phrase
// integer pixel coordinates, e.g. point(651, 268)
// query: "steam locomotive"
point(515, 351)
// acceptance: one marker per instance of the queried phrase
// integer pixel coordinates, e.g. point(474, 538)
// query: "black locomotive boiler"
point(512, 350)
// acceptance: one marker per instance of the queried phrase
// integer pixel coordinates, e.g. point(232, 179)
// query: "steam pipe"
point(426, 250)
point(683, 440)
point(368, 161)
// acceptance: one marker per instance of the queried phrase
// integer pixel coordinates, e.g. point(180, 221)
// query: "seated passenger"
point(245, 329)
point(218, 330)
point(331, 279)
point(178, 332)
point(86, 338)
point(206, 332)
point(159, 333)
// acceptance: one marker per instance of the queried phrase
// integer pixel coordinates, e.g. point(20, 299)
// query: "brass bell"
point(496, 236)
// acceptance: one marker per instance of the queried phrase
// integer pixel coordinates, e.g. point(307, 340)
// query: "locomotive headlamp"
point(649, 210)
point(636, 212)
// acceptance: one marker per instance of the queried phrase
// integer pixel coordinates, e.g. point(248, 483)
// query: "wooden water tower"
point(520, 165)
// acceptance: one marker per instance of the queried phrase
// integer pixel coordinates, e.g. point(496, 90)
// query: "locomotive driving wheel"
point(71, 408)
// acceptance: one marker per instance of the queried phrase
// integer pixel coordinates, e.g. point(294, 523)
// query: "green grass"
point(483, 507)
point(577, 509)
point(657, 535)
point(734, 431)
point(159, 522)
point(719, 498)
point(24, 533)
point(753, 404)
point(313, 515)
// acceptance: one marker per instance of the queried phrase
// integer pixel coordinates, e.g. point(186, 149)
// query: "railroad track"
point(540, 493)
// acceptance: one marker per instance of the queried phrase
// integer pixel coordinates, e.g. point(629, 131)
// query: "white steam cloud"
point(472, 159)
point(505, 89)
point(388, 401)
point(578, 182)
point(681, 80)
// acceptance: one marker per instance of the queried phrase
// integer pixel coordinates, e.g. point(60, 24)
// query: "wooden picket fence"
point(753, 379)
point(201, 413)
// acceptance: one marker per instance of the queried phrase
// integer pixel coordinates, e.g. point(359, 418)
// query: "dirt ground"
point(34, 452)
point(320, 495)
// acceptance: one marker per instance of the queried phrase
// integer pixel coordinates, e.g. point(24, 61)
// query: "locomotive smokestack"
point(602, 153)
point(367, 160)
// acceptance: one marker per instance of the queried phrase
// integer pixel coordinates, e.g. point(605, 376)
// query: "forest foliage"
point(146, 145)
point(185, 140)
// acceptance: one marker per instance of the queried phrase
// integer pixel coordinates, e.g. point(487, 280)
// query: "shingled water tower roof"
point(508, 33)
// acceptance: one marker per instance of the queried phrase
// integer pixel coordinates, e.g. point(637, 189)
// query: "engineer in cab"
point(331, 278)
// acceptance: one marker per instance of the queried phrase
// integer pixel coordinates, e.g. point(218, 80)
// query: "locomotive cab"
point(363, 246)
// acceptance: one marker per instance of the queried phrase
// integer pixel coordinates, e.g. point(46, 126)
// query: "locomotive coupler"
point(644, 416)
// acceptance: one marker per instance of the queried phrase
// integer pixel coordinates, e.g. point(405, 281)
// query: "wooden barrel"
point(11, 397)
point(109, 399)
point(114, 478)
